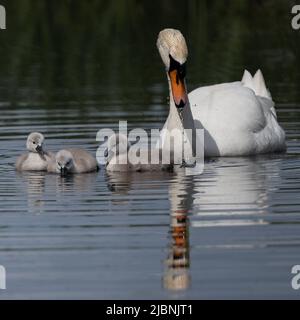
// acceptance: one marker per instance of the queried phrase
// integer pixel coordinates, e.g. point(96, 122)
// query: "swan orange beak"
point(178, 89)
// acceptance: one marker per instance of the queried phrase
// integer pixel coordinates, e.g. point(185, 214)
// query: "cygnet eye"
point(33, 142)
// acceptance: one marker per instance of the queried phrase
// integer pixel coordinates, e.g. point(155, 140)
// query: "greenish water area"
point(69, 68)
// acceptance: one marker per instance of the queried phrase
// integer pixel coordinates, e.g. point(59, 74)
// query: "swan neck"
point(185, 120)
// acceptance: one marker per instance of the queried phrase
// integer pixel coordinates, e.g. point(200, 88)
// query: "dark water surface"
point(231, 232)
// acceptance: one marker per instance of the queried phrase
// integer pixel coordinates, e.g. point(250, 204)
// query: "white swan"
point(72, 160)
point(238, 118)
point(36, 159)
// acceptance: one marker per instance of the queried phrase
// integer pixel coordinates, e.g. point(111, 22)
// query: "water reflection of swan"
point(73, 183)
point(35, 188)
point(122, 182)
point(231, 192)
point(118, 182)
point(180, 189)
point(235, 191)
point(176, 275)
point(40, 187)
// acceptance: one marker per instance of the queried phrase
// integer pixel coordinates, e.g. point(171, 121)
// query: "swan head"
point(35, 143)
point(64, 162)
point(173, 50)
point(116, 144)
point(171, 45)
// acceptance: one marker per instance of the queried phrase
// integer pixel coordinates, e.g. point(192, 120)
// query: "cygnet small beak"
point(39, 150)
point(63, 171)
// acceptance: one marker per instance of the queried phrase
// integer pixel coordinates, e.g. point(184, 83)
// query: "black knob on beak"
point(181, 105)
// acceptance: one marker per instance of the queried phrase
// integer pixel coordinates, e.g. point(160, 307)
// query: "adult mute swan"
point(37, 158)
point(238, 118)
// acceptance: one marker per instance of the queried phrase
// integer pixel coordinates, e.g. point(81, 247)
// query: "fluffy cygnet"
point(73, 160)
point(117, 159)
point(36, 159)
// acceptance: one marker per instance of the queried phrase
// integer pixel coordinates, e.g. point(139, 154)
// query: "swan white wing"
point(234, 119)
point(229, 106)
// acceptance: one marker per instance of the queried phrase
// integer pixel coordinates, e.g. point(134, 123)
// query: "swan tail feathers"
point(262, 91)
point(247, 80)
point(260, 85)
point(256, 83)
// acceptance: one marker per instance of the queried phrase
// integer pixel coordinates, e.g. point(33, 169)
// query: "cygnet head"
point(64, 162)
point(173, 51)
point(117, 144)
point(35, 143)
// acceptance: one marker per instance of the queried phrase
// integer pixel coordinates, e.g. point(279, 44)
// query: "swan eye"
point(33, 142)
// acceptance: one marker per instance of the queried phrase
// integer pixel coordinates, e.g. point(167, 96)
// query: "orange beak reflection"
point(178, 89)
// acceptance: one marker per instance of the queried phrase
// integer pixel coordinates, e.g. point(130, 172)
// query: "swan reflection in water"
point(42, 188)
point(231, 192)
point(35, 189)
point(236, 191)
point(180, 188)
point(176, 274)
